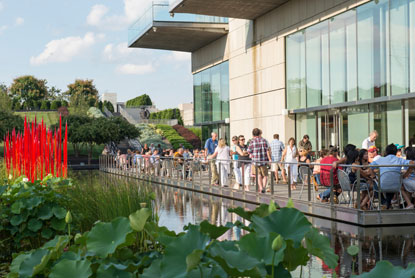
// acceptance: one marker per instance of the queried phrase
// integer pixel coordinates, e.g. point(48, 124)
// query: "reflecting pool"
point(177, 208)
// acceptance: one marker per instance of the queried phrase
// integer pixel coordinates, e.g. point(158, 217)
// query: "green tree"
point(8, 121)
point(28, 89)
point(142, 100)
point(6, 103)
point(81, 90)
point(55, 93)
point(124, 129)
point(55, 105)
point(109, 106)
point(75, 136)
point(45, 105)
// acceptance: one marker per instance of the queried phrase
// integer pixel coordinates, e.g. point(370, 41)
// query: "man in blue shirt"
point(389, 175)
point(210, 147)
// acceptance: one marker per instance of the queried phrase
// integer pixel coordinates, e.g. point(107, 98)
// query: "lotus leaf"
point(212, 230)
point(385, 269)
point(28, 265)
point(193, 259)
point(294, 257)
point(319, 245)
point(33, 202)
point(109, 271)
point(236, 262)
point(58, 224)
point(67, 268)
point(16, 220)
point(47, 233)
point(353, 250)
point(290, 223)
point(174, 262)
point(250, 243)
point(17, 207)
point(153, 271)
point(139, 219)
point(34, 225)
point(261, 211)
point(45, 212)
point(59, 212)
point(104, 238)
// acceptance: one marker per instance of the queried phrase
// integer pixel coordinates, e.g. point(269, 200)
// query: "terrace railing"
point(200, 171)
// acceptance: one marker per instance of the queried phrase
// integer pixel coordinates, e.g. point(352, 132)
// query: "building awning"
point(245, 9)
point(158, 29)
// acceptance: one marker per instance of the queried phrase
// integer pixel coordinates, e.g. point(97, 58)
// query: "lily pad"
point(294, 257)
point(193, 259)
point(319, 245)
point(212, 230)
point(34, 225)
point(58, 224)
point(104, 238)
point(290, 223)
point(45, 212)
point(47, 233)
point(385, 269)
point(16, 220)
point(139, 219)
point(67, 268)
point(59, 212)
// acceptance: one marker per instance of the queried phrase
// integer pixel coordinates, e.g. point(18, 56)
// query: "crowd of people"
point(252, 161)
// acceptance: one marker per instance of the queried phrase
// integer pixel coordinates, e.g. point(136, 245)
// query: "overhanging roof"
point(245, 9)
point(179, 36)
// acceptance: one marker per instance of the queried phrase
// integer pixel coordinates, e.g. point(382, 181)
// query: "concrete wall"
point(186, 111)
point(256, 54)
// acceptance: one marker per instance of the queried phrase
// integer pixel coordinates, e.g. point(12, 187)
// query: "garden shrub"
point(277, 242)
point(95, 113)
point(55, 104)
point(173, 137)
point(31, 213)
point(63, 110)
point(149, 135)
point(143, 100)
point(45, 105)
point(188, 135)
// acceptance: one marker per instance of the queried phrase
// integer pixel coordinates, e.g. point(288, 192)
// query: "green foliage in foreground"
point(173, 137)
point(31, 213)
point(277, 243)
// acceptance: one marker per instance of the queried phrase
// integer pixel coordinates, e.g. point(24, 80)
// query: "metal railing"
point(206, 173)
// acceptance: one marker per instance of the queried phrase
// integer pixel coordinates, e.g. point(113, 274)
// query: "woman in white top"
point(222, 154)
point(236, 166)
point(290, 155)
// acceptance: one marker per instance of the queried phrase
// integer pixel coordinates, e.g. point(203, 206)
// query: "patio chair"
point(391, 182)
point(346, 186)
point(303, 173)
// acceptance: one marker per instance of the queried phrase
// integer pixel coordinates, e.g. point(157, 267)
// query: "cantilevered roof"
point(187, 37)
point(158, 29)
point(245, 9)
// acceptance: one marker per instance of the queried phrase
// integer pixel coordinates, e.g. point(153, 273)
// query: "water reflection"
point(177, 208)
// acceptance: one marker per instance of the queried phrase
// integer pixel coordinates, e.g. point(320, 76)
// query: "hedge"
point(173, 137)
point(189, 136)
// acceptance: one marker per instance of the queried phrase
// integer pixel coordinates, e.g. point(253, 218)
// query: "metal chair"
point(346, 186)
point(303, 173)
point(391, 182)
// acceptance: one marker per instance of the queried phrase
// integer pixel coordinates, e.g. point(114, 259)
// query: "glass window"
point(371, 47)
point(206, 96)
point(343, 57)
point(386, 119)
point(197, 97)
point(295, 67)
point(399, 46)
point(215, 87)
point(410, 122)
point(225, 90)
point(317, 68)
point(412, 44)
point(306, 124)
point(355, 125)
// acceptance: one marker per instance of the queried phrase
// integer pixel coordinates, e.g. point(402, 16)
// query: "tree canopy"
point(28, 89)
point(8, 121)
point(142, 100)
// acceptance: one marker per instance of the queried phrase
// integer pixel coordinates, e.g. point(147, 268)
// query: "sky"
point(64, 40)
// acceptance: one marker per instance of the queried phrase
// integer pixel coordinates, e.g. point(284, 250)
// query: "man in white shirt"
point(370, 141)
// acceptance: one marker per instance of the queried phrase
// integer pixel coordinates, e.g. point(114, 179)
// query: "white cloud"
point(135, 69)
point(3, 28)
point(96, 14)
point(19, 21)
point(63, 50)
point(100, 17)
point(118, 52)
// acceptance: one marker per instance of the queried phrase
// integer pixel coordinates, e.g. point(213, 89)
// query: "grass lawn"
point(49, 117)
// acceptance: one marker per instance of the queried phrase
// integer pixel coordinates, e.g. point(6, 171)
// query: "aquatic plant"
point(278, 242)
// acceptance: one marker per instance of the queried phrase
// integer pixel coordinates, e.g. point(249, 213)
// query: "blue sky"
point(62, 40)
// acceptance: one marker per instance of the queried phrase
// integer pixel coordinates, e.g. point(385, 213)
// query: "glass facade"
point(364, 53)
point(211, 100)
point(394, 121)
